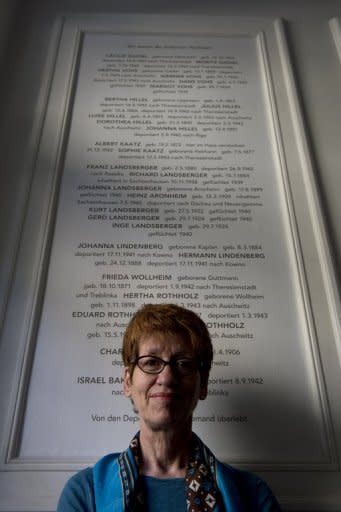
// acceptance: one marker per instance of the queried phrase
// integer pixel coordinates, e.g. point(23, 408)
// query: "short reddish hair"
point(168, 319)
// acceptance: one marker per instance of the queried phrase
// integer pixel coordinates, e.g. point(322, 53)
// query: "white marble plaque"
point(172, 190)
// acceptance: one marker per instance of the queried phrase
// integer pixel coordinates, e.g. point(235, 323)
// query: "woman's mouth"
point(164, 396)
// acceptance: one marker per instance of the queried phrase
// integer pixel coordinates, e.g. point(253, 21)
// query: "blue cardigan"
point(99, 489)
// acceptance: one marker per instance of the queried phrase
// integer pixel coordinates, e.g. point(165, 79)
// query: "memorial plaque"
point(173, 190)
point(171, 165)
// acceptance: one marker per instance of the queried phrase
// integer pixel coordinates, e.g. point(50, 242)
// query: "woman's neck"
point(165, 453)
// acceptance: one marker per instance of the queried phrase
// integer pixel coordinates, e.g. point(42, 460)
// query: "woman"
point(167, 354)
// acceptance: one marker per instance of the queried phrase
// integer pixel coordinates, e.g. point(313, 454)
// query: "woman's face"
point(165, 400)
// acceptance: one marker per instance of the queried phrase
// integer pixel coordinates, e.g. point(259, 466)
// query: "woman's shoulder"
point(253, 491)
point(78, 494)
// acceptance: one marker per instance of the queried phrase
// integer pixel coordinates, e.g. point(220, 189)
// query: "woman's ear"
point(127, 382)
point(203, 394)
point(203, 388)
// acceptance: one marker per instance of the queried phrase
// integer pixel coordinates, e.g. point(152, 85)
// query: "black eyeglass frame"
point(197, 365)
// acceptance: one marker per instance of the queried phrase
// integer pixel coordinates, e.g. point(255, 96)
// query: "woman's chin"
point(166, 421)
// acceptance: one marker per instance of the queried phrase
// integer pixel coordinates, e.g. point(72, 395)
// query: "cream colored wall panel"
point(335, 28)
point(310, 487)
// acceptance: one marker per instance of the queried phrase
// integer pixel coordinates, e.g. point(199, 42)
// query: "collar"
point(201, 488)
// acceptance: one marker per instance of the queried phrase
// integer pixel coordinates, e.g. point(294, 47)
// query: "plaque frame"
point(335, 28)
point(308, 230)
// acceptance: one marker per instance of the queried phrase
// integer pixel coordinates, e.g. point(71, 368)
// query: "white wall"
point(7, 18)
point(315, 60)
point(314, 56)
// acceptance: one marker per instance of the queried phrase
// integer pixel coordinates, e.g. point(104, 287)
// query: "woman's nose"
point(168, 374)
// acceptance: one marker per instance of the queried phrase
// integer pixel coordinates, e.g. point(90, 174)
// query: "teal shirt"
point(99, 489)
point(78, 494)
point(164, 494)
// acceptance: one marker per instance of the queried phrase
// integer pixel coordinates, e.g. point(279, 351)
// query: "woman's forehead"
point(161, 341)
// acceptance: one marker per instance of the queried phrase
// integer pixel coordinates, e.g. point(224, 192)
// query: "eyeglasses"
point(152, 364)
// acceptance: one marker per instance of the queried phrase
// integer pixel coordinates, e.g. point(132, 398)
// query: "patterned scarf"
point(201, 487)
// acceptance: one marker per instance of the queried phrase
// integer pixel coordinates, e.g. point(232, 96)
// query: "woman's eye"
point(151, 363)
point(185, 364)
